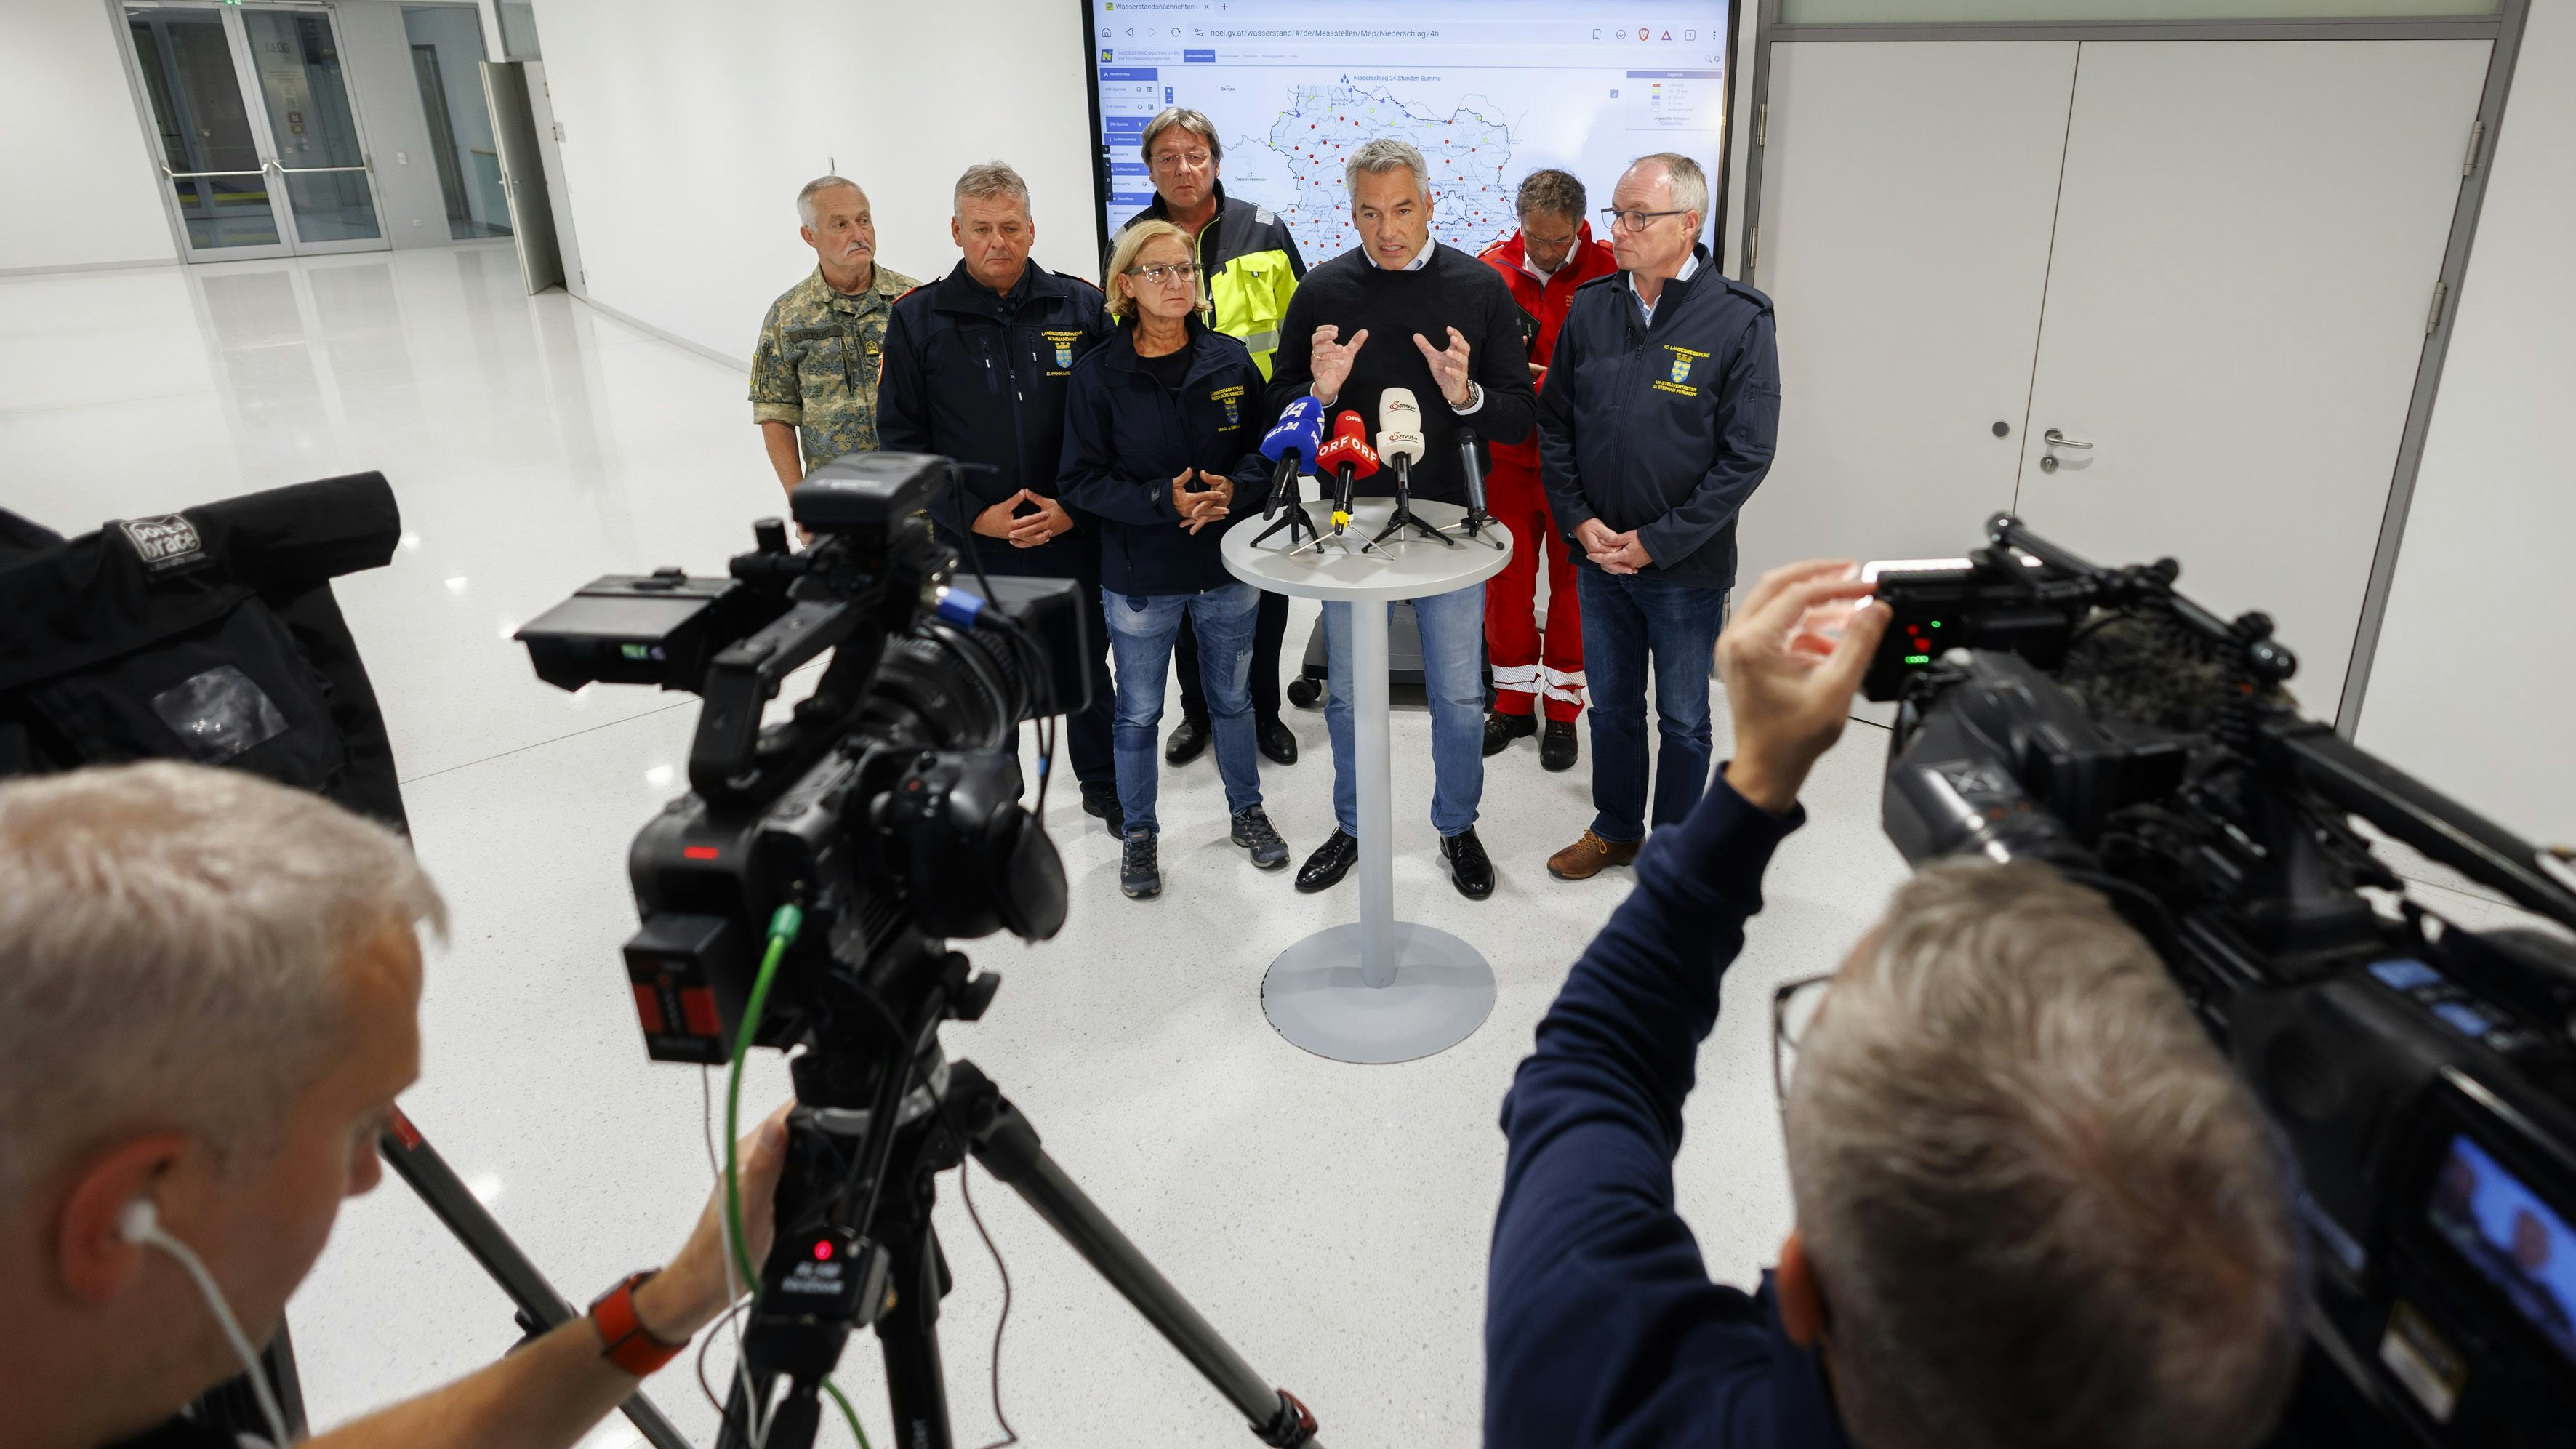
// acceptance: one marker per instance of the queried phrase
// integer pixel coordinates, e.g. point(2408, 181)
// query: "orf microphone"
point(1291, 444)
point(1399, 434)
point(1351, 459)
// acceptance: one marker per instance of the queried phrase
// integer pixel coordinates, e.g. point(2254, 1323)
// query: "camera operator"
point(209, 999)
point(2033, 1205)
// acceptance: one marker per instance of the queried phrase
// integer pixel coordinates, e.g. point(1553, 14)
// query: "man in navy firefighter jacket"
point(1662, 401)
point(975, 368)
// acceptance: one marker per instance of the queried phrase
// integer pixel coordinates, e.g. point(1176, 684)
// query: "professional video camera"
point(2423, 1075)
point(801, 896)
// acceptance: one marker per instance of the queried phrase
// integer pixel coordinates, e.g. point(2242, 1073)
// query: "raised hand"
point(1449, 367)
point(1330, 361)
point(1789, 695)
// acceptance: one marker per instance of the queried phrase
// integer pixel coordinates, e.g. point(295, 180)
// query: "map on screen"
point(1489, 90)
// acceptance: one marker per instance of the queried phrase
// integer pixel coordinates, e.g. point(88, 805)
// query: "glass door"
point(313, 129)
point(209, 148)
point(256, 131)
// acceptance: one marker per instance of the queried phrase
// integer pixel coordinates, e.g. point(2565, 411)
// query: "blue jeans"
point(1453, 677)
point(1632, 622)
point(1140, 637)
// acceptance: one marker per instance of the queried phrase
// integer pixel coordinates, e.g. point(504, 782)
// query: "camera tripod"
point(895, 1275)
point(879, 1113)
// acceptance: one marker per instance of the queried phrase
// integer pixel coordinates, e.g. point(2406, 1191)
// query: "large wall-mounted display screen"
point(1490, 90)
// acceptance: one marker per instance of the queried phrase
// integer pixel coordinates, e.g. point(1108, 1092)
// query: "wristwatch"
point(624, 1340)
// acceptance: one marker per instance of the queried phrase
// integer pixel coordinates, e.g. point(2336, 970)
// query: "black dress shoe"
point(1189, 741)
point(1470, 869)
point(1104, 805)
point(1556, 748)
point(1278, 742)
point(1501, 729)
point(1331, 861)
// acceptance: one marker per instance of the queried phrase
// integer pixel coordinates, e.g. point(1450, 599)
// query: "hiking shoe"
point(1140, 874)
point(1252, 831)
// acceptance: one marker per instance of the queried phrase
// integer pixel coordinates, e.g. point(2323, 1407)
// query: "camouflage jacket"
point(815, 367)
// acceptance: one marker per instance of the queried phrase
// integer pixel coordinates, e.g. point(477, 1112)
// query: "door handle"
point(2056, 439)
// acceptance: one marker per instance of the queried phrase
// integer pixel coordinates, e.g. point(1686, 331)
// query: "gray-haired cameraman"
point(2034, 1207)
point(209, 999)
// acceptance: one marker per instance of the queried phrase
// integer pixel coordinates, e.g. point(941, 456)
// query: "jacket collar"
point(1513, 252)
point(960, 292)
point(1119, 350)
point(1157, 210)
point(1677, 289)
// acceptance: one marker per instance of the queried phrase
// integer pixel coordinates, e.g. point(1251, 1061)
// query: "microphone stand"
point(1404, 508)
point(1473, 525)
point(1283, 494)
point(1341, 534)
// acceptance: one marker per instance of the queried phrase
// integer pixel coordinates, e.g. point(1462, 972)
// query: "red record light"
point(698, 852)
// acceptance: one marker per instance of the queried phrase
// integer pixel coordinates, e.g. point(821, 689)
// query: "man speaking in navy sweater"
point(2033, 1206)
point(1402, 311)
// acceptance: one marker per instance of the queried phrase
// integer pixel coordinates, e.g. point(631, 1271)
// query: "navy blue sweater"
point(1126, 435)
point(1665, 429)
point(1601, 1325)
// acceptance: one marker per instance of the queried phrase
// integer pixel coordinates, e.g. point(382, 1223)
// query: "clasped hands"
point(1003, 520)
point(1617, 553)
point(1199, 509)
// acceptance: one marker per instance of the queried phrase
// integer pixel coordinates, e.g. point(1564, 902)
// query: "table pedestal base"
point(1441, 992)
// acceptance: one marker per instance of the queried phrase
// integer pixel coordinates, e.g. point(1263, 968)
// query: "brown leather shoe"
point(1588, 857)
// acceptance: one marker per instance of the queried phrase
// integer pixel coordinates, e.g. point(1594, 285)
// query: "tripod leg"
point(1008, 1146)
point(916, 1384)
point(411, 1157)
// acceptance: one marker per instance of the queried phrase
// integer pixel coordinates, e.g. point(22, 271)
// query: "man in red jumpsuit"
point(1552, 254)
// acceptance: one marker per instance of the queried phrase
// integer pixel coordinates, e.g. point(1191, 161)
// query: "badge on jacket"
point(1684, 359)
point(1063, 348)
point(1231, 398)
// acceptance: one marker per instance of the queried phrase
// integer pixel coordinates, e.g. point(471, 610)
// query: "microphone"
point(1399, 434)
point(1291, 444)
point(1351, 459)
point(1474, 468)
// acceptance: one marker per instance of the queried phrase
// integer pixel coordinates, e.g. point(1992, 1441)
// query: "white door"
point(1907, 194)
point(2247, 243)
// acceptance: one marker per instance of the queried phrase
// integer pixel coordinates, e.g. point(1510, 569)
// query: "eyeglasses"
point(1185, 160)
point(1793, 1012)
point(1160, 272)
point(1634, 220)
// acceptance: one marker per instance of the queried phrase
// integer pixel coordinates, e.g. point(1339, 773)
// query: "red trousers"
point(1527, 667)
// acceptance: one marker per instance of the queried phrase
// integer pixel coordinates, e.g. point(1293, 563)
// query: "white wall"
point(688, 129)
point(79, 180)
point(2471, 689)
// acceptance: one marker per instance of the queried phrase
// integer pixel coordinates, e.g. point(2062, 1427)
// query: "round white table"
point(1376, 989)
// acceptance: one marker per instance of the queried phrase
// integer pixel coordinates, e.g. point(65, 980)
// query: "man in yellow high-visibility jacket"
point(1252, 268)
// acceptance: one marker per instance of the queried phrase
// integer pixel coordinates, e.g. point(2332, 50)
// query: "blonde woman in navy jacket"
point(1158, 420)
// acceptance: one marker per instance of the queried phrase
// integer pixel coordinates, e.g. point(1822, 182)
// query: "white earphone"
point(140, 1224)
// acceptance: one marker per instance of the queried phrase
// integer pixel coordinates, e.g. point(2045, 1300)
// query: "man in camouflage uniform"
point(814, 371)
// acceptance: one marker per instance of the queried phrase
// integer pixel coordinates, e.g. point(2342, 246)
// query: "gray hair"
point(1383, 155)
point(987, 180)
point(1689, 183)
point(1188, 120)
point(806, 211)
point(169, 943)
point(2042, 1209)
point(1550, 192)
